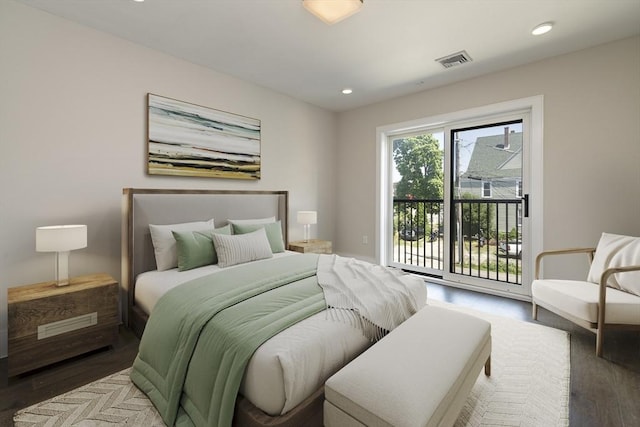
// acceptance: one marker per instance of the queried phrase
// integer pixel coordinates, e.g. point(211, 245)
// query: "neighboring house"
point(495, 173)
point(495, 167)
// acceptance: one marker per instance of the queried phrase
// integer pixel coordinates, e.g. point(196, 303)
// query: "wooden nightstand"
point(48, 323)
point(312, 246)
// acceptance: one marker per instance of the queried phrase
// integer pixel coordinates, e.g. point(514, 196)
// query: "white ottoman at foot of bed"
point(418, 375)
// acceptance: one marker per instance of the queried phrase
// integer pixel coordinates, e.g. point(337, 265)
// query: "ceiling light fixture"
point(332, 11)
point(347, 91)
point(542, 28)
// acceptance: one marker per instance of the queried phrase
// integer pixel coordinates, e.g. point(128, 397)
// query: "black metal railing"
point(486, 237)
point(418, 233)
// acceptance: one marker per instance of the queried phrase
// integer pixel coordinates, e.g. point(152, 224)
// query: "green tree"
point(418, 159)
point(478, 219)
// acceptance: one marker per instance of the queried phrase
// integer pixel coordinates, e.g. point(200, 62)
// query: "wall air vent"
point(454, 59)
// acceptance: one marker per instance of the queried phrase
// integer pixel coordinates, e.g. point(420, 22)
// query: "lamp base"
point(62, 268)
point(307, 233)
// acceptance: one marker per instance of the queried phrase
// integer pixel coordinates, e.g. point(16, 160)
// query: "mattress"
point(292, 365)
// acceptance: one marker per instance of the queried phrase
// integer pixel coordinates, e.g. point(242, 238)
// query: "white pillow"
point(252, 221)
point(164, 244)
point(241, 248)
point(614, 250)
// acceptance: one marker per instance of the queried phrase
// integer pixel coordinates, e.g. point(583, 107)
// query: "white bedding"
point(289, 367)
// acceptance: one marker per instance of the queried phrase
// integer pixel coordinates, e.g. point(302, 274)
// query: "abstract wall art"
point(190, 140)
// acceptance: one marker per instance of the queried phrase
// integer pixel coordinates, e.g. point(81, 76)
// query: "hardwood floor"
point(26, 389)
point(604, 391)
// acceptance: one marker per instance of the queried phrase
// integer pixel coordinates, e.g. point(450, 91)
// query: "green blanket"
point(201, 335)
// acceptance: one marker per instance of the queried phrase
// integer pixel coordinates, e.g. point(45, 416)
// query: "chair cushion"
point(614, 250)
point(580, 299)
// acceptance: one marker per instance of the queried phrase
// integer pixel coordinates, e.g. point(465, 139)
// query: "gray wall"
point(73, 134)
point(591, 145)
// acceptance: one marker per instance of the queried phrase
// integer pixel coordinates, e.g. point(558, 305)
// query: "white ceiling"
point(386, 50)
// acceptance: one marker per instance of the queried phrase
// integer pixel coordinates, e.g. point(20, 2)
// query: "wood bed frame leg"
point(534, 310)
point(487, 367)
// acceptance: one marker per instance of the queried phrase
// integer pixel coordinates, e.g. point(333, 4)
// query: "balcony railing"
point(418, 233)
point(485, 237)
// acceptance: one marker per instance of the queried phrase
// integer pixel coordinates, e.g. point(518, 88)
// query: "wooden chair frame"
point(598, 327)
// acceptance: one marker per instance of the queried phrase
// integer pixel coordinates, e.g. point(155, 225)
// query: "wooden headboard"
point(141, 207)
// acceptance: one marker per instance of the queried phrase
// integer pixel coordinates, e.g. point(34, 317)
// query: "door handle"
point(526, 205)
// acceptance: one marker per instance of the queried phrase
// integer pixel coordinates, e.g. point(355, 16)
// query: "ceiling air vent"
point(454, 59)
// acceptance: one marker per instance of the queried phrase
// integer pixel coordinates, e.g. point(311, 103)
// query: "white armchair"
point(609, 298)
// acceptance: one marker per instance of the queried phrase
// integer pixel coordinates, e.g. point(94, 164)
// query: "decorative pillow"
point(273, 230)
point(252, 221)
point(164, 244)
point(195, 248)
point(241, 248)
point(614, 250)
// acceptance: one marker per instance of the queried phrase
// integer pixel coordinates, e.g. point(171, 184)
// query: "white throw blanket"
point(372, 298)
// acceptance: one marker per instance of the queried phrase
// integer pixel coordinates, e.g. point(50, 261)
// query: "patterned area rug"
point(529, 386)
point(529, 383)
point(110, 401)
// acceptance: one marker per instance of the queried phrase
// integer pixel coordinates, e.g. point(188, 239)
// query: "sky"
point(467, 139)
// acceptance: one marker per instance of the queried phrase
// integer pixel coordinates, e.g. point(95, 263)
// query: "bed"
point(273, 391)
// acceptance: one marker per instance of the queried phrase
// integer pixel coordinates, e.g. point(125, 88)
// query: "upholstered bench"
point(418, 375)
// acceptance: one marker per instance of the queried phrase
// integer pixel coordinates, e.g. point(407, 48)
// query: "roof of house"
point(492, 159)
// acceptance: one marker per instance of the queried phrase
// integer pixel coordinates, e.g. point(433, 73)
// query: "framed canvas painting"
point(190, 140)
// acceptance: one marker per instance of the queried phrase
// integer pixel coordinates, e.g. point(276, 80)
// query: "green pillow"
point(195, 248)
point(273, 230)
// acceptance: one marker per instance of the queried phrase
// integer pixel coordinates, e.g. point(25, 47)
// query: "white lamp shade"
point(61, 238)
point(307, 217)
point(332, 11)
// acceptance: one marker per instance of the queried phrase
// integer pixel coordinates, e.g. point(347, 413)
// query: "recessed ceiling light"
point(347, 91)
point(542, 28)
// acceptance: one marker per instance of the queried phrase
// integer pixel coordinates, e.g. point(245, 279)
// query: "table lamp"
point(307, 218)
point(61, 239)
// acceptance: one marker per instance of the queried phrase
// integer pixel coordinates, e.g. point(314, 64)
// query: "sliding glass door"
point(460, 202)
point(486, 204)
